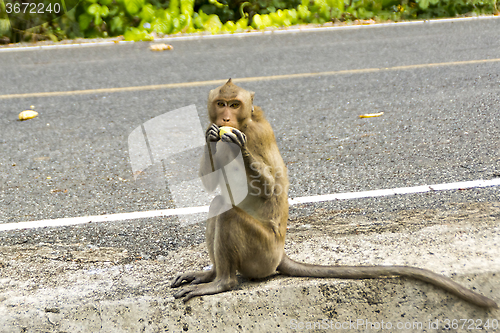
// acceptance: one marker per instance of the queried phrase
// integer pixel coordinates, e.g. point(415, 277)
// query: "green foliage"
point(142, 19)
point(26, 20)
point(133, 6)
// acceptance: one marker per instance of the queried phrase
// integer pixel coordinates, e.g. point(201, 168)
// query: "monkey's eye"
point(234, 105)
point(221, 104)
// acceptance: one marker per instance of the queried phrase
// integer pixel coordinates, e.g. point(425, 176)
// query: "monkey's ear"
point(228, 81)
point(252, 94)
point(212, 94)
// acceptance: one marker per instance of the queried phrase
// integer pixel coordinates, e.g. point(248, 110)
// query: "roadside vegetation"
point(146, 19)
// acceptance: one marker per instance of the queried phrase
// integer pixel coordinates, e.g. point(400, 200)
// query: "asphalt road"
point(441, 123)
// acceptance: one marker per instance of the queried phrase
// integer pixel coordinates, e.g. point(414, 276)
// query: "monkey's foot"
point(211, 288)
point(193, 278)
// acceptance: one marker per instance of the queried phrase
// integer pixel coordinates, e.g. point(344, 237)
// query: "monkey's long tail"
point(294, 268)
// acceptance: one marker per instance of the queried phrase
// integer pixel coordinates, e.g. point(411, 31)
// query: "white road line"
point(292, 29)
point(394, 191)
point(103, 218)
point(204, 209)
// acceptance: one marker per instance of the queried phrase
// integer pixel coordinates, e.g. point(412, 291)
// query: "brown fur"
point(249, 236)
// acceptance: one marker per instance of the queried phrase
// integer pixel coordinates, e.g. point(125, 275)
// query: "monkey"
point(249, 236)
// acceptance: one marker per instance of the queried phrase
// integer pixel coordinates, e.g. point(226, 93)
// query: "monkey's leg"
point(240, 243)
point(196, 277)
point(223, 269)
point(217, 205)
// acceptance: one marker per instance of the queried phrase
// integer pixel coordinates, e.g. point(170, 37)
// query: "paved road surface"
point(441, 123)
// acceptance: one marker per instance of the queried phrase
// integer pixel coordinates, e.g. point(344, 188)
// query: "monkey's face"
point(229, 112)
point(230, 105)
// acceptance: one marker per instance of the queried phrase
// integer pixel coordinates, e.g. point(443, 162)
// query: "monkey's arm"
point(261, 175)
point(209, 177)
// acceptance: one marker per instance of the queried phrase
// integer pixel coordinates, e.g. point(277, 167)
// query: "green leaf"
point(117, 25)
point(324, 12)
point(187, 6)
point(216, 3)
point(280, 17)
point(197, 21)
point(133, 6)
point(338, 4)
point(137, 35)
point(4, 27)
point(104, 11)
point(84, 21)
point(229, 26)
point(434, 2)
point(266, 21)
point(242, 23)
point(52, 37)
point(292, 15)
point(147, 13)
point(161, 26)
point(423, 4)
point(364, 14)
point(203, 16)
point(183, 20)
point(93, 9)
point(257, 22)
point(304, 13)
point(208, 9)
point(176, 26)
point(213, 24)
point(174, 8)
point(97, 20)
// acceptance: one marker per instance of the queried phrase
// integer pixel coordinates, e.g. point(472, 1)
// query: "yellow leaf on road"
point(371, 115)
point(27, 114)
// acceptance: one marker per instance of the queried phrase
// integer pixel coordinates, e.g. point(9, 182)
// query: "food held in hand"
point(225, 129)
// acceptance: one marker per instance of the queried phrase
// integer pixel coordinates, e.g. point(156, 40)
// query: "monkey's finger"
point(212, 133)
point(229, 137)
point(189, 296)
point(187, 293)
point(175, 283)
point(242, 138)
point(198, 280)
point(181, 293)
point(233, 138)
point(212, 137)
point(214, 128)
point(181, 279)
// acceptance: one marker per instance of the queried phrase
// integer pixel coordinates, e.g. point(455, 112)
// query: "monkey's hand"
point(212, 134)
point(236, 137)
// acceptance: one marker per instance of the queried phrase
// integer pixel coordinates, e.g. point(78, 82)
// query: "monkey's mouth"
point(227, 125)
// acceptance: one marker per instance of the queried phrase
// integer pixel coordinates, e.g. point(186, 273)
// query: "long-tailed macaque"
point(249, 236)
